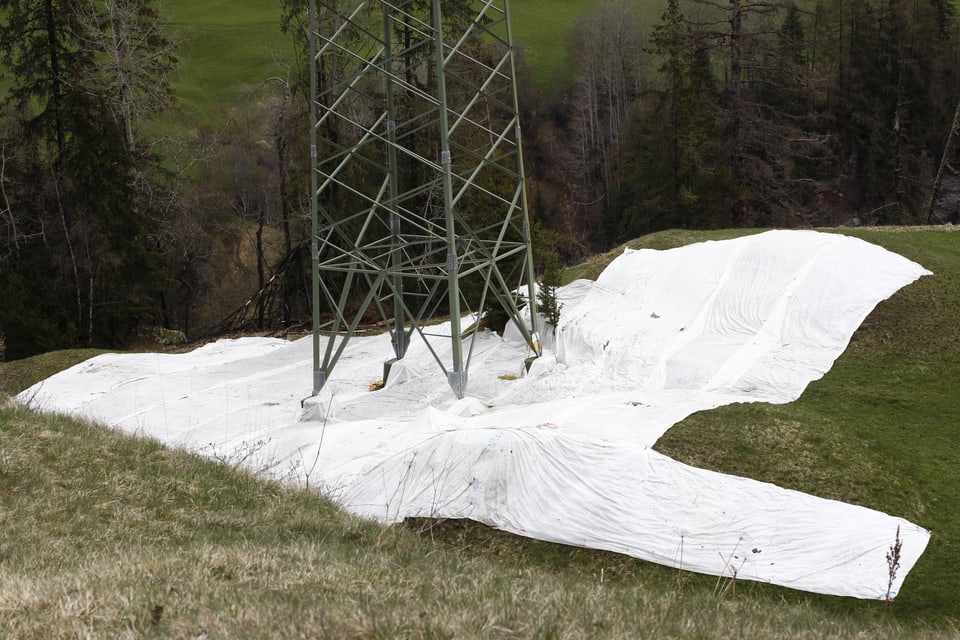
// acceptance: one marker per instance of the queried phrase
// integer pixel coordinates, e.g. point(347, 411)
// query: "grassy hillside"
point(542, 28)
point(118, 537)
point(226, 45)
point(229, 45)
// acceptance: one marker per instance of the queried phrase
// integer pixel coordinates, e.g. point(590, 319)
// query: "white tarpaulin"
point(561, 453)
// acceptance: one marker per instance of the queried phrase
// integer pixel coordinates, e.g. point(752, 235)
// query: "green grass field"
point(226, 46)
point(229, 46)
point(110, 536)
point(542, 28)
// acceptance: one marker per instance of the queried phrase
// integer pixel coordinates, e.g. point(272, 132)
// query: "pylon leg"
point(419, 204)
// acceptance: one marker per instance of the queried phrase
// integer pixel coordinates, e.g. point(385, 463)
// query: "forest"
point(123, 220)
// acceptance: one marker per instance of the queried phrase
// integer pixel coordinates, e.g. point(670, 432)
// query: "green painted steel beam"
point(418, 201)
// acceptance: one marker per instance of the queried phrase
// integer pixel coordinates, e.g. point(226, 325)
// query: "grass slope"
point(111, 536)
point(542, 28)
point(228, 46)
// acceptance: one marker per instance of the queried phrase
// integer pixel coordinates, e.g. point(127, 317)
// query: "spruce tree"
point(675, 170)
point(91, 268)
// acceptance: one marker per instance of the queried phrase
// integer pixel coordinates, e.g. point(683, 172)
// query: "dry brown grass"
point(107, 536)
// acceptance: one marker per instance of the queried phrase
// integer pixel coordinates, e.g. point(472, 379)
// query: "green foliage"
point(547, 258)
point(673, 159)
point(495, 315)
point(547, 303)
point(32, 317)
point(896, 93)
point(79, 181)
point(836, 117)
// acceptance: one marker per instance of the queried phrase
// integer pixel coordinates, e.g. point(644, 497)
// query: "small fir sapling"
point(548, 305)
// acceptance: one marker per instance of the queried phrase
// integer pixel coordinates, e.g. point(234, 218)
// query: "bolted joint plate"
point(458, 382)
point(319, 379)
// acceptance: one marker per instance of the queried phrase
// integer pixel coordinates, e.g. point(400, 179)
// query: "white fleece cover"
point(562, 452)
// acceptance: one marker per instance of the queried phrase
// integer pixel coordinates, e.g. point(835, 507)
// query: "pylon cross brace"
point(418, 205)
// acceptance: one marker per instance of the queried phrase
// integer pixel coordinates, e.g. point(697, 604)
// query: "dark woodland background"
point(117, 217)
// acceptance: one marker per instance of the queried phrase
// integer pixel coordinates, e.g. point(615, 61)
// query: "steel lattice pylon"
point(419, 207)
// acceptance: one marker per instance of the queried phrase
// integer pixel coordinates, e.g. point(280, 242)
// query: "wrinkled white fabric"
point(561, 452)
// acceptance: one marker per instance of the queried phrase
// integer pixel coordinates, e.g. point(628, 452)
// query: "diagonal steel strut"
point(418, 205)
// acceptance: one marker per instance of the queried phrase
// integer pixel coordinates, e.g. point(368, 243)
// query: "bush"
point(547, 303)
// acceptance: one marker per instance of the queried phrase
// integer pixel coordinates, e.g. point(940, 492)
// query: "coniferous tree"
point(894, 104)
point(675, 170)
point(92, 269)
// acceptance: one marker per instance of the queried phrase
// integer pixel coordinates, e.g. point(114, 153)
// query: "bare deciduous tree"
point(608, 48)
point(12, 235)
point(137, 58)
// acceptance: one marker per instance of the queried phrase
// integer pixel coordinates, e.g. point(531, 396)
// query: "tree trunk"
point(261, 223)
point(56, 88)
point(122, 55)
point(947, 150)
point(7, 209)
point(70, 250)
point(736, 108)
